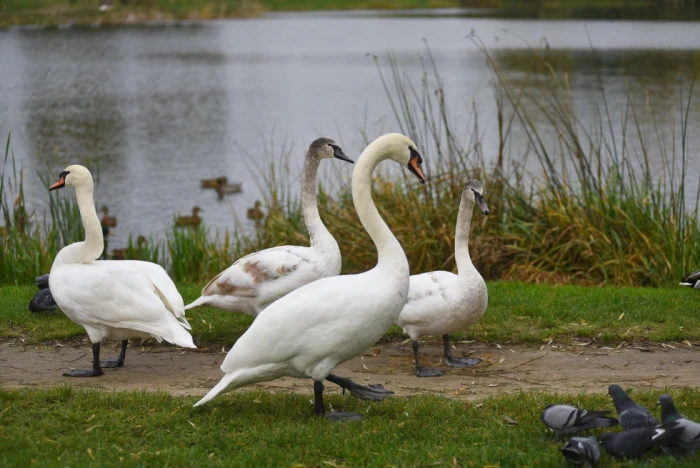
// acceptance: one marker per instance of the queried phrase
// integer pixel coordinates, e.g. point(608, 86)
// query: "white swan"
point(440, 302)
point(113, 299)
point(311, 330)
point(257, 280)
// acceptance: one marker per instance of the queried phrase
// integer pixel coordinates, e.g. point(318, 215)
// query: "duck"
point(213, 183)
point(194, 220)
point(255, 281)
point(106, 220)
point(440, 302)
point(255, 212)
point(225, 189)
point(114, 300)
point(320, 325)
point(692, 280)
point(121, 254)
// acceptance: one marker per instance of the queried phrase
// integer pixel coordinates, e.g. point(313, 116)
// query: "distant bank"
point(105, 12)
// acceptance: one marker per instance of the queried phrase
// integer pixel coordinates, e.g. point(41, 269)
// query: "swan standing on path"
point(440, 302)
point(113, 299)
point(311, 330)
point(257, 280)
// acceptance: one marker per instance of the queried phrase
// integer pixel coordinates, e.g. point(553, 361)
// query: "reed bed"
point(575, 203)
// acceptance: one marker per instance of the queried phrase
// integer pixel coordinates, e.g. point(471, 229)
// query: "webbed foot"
point(83, 373)
point(429, 372)
point(112, 362)
point(461, 362)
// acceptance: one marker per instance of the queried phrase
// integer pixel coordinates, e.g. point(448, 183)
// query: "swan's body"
point(116, 300)
point(257, 280)
point(311, 330)
point(440, 302)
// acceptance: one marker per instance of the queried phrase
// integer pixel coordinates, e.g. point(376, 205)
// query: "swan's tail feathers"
point(181, 337)
point(202, 300)
point(226, 381)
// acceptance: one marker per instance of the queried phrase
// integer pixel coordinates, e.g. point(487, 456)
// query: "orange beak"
point(61, 183)
point(415, 164)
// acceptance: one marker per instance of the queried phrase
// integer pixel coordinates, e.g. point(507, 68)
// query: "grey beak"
point(481, 203)
point(338, 153)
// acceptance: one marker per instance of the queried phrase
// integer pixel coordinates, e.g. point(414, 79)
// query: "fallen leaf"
point(510, 421)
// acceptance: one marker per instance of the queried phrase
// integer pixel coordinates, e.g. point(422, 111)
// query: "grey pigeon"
point(582, 451)
point(634, 443)
point(42, 282)
point(630, 414)
point(565, 419)
point(692, 280)
point(42, 302)
point(688, 440)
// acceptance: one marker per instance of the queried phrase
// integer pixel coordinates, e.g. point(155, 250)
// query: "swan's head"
point(73, 176)
point(401, 149)
point(474, 190)
point(325, 148)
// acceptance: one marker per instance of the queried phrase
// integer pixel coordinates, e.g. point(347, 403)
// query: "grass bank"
point(517, 313)
point(250, 428)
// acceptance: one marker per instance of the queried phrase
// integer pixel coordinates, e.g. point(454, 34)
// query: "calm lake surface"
point(161, 106)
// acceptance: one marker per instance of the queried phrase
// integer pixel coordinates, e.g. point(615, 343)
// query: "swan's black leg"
point(373, 392)
point(456, 362)
point(424, 371)
point(118, 362)
point(320, 407)
point(96, 370)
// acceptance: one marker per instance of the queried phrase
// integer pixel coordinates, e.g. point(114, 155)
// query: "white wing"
point(427, 301)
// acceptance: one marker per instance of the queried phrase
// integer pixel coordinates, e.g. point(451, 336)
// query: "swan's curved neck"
point(389, 251)
point(320, 237)
point(464, 221)
point(91, 248)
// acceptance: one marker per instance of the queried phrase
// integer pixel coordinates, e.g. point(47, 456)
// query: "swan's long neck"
point(92, 247)
point(389, 251)
point(464, 221)
point(320, 237)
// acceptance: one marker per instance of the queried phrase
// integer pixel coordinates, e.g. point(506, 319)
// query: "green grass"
point(517, 313)
point(251, 428)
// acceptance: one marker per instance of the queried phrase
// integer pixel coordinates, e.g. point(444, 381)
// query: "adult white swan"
point(257, 280)
point(311, 330)
point(440, 302)
point(116, 300)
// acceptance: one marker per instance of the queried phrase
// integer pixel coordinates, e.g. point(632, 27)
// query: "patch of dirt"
point(507, 369)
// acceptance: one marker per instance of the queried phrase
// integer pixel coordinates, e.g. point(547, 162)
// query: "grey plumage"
point(630, 414)
point(42, 302)
point(692, 280)
point(688, 440)
point(565, 419)
point(636, 442)
point(582, 451)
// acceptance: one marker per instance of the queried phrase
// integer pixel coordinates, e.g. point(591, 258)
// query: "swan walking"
point(257, 280)
point(112, 299)
point(316, 327)
point(440, 302)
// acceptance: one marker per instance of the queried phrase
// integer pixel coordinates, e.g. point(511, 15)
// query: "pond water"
point(161, 106)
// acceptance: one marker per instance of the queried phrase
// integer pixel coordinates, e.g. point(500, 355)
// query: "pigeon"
point(634, 443)
point(688, 440)
point(42, 302)
point(565, 419)
point(582, 451)
point(630, 414)
point(42, 282)
point(692, 280)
